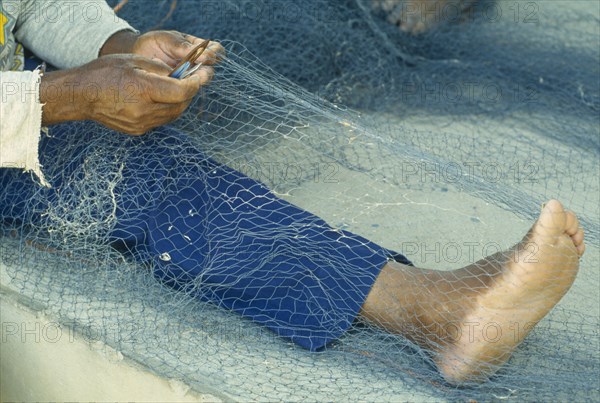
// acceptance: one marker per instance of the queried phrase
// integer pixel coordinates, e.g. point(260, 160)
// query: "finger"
point(176, 45)
point(162, 116)
point(164, 89)
point(136, 126)
point(174, 111)
point(153, 115)
point(214, 53)
point(154, 65)
point(170, 90)
point(163, 111)
point(205, 74)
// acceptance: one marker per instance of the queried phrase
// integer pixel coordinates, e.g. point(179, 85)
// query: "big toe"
point(553, 221)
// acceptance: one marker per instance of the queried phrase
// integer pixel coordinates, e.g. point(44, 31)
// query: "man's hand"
point(170, 47)
point(128, 88)
point(128, 93)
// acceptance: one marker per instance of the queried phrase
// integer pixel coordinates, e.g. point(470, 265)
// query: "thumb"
point(154, 65)
point(161, 63)
point(177, 45)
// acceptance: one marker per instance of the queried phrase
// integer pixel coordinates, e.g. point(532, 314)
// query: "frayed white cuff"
point(21, 121)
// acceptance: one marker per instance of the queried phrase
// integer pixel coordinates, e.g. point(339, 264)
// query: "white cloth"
point(20, 121)
point(65, 33)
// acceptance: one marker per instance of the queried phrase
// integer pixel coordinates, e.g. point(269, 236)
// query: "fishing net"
point(441, 145)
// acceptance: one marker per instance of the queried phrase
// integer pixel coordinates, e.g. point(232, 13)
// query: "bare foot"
point(472, 319)
point(416, 16)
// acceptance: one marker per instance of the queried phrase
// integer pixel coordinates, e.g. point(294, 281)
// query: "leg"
point(202, 227)
point(504, 295)
point(225, 238)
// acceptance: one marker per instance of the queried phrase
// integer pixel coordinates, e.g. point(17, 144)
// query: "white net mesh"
point(441, 146)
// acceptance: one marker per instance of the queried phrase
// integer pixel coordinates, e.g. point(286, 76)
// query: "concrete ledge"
point(43, 360)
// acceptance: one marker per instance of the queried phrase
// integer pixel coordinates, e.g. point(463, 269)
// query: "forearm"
point(120, 42)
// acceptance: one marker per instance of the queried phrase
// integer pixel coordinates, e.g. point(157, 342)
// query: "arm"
point(67, 33)
point(120, 42)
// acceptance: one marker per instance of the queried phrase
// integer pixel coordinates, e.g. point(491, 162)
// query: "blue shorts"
point(211, 231)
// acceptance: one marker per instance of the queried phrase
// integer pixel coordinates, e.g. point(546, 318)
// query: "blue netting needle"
point(187, 66)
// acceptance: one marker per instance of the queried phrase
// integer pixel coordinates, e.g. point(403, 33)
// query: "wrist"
point(119, 42)
point(61, 98)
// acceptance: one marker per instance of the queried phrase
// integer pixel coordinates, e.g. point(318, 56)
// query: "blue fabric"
point(209, 230)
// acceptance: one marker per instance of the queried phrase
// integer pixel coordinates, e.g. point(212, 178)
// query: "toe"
point(554, 206)
point(578, 237)
point(580, 248)
point(552, 221)
point(572, 225)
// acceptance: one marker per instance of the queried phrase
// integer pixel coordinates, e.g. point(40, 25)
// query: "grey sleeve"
point(66, 33)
